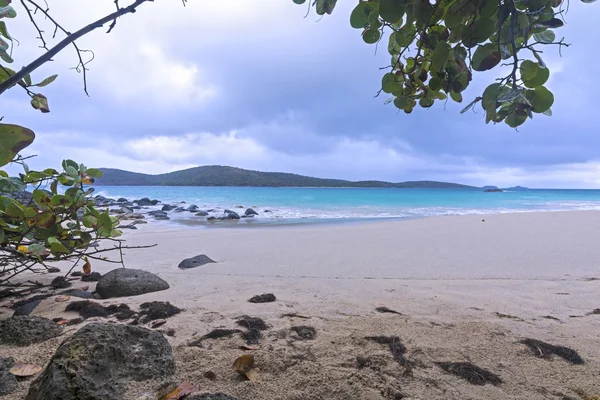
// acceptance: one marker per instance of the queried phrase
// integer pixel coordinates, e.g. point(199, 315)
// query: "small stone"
point(93, 277)
point(196, 261)
point(124, 282)
point(60, 282)
point(263, 298)
point(53, 270)
point(250, 212)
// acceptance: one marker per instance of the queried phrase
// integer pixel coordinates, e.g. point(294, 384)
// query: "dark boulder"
point(179, 209)
point(99, 361)
point(161, 218)
point(144, 202)
point(250, 212)
point(122, 200)
point(167, 207)
point(123, 282)
point(157, 310)
point(195, 262)
point(126, 210)
point(8, 382)
point(211, 219)
point(192, 208)
point(233, 215)
point(60, 282)
point(25, 330)
point(82, 294)
point(493, 190)
point(158, 213)
point(202, 214)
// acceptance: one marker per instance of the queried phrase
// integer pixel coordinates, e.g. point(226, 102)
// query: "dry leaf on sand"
point(60, 299)
point(182, 390)
point(25, 370)
point(244, 365)
point(87, 267)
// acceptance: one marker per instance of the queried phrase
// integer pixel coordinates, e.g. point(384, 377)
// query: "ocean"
point(349, 204)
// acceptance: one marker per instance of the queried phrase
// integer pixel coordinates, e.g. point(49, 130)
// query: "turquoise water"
point(294, 204)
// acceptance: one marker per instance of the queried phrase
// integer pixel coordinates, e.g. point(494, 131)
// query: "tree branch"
point(14, 79)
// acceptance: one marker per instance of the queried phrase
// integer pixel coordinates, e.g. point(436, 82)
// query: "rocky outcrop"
point(201, 214)
point(493, 190)
point(123, 282)
point(99, 360)
point(250, 212)
point(232, 215)
point(146, 202)
point(168, 207)
point(25, 330)
point(192, 208)
point(8, 382)
point(194, 262)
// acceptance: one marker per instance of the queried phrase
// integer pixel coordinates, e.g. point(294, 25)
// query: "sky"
point(256, 85)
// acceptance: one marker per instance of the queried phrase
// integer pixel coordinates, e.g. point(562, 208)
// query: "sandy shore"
point(468, 291)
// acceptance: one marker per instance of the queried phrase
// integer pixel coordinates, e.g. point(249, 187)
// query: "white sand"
point(450, 276)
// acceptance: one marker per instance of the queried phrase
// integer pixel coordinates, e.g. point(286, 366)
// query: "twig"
point(14, 79)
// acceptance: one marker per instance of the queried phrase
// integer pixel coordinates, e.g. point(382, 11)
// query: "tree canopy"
point(436, 48)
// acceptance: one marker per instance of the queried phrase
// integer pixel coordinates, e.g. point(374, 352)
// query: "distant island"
point(216, 175)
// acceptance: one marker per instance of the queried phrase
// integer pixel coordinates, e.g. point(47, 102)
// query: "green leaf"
point(105, 224)
point(5, 73)
point(390, 83)
point(71, 171)
point(36, 249)
point(541, 99)
point(440, 56)
point(359, 18)
point(4, 3)
point(41, 198)
point(40, 102)
point(371, 36)
point(7, 12)
point(325, 6)
point(69, 163)
point(545, 37)
point(548, 112)
point(401, 102)
point(2, 236)
point(46, 219)
point(56, 245)
point(540, 78)
point(488, 8)
point(528, 69)
point(486, 57)
point(489, 101)
point(5, 56)
point(551, 23)
point(391, 10)
point(299, 1)
point(46, 81)
point(89, 221)
point(13, 139)
point(15, 210)
point(94, 172)
point(27, 80)
point(11, 185)
point(514, 120)
point(479, 32)
point(435, 84)
point(457, 97)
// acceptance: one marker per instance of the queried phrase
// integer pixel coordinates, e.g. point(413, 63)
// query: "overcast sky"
point(254, 84)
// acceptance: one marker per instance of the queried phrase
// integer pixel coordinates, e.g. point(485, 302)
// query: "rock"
point(60, 282)
point(239, 206)
point(8, 382)
point(250, 212)
point(77, 273)
point(126, 210)
point(144, 202)
point(133, 216)
point(211, 210)
point(267, 211)
point(130, 226)
point(192, 208)
point(93, 277)
point(26, 309)
point(167, 207)
point(233, 215)
point(53, 270)
point(154, 202)
point(157, 310)
point(82, 294)
point(99, 361)
point(493, 190)
point(211, 219)
point(116, 211)
point(157, 212)
point(123, 282)
point(26, 330)
point(195, 262)
point(162, 218)
point(263, 298)
point(122, 200)
point(202, 214)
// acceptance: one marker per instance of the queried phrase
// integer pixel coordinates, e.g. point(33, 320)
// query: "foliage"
point(436, 46)
point(215, 175)
point(45, 226)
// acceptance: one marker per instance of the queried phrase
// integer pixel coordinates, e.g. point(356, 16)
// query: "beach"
point(465, 288)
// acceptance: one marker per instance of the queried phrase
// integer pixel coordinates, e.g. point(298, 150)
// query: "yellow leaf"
point(252, 375)
point(23, 249)
point(87, 267)
point(182, 390)
point(244, 366)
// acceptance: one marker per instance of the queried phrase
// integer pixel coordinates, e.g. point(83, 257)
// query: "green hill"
point(215, 175)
